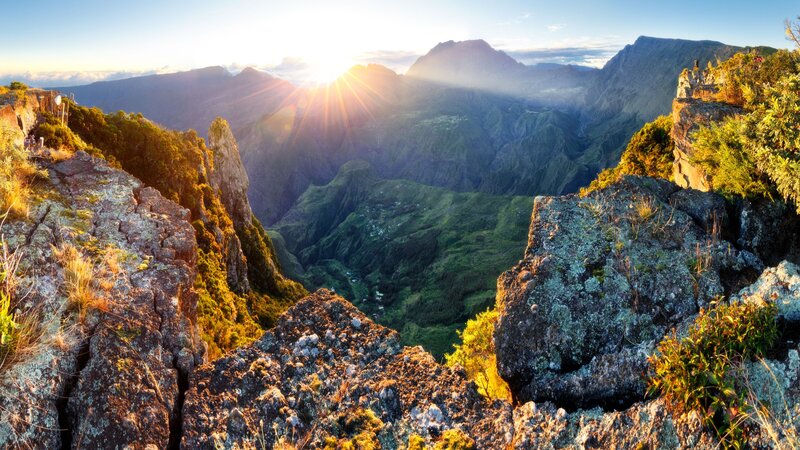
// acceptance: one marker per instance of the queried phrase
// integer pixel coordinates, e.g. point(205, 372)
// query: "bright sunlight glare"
point(329, 42)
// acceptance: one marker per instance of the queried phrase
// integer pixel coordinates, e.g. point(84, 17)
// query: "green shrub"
point(649, 153)
point(7, 324)
point(772, 137)
point(720, 152)
point(16, 172)
point(476, 355)
point(700, 372)
point(17, 86)
point(361, 429)
point(744, 77)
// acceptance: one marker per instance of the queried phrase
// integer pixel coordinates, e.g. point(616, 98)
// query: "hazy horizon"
point(305, 42)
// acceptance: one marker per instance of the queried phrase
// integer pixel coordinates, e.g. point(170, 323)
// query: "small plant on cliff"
point(476, 355)
point(20, 331)
point(16, 172)
point(361, 428)
point(649, 153)
point(702, 371)
point(8, 326)
point(17, 86)
point(80, 279)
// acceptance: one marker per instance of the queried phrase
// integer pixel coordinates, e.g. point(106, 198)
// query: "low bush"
point(649, 153)
point(702, 371)
point(476, 355)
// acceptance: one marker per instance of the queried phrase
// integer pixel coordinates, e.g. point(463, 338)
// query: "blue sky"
point(79, 41)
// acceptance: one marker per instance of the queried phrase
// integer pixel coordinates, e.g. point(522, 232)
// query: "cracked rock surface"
point(325, 362)
point(114, 378)
point(603, 279)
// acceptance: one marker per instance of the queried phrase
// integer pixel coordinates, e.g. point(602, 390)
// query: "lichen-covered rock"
point(769, 229)
point(603, 279)
point(779, 285)
point(323, 368)
point(113, 378)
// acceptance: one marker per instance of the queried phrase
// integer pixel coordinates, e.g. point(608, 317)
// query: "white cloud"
point(50, 79)
point(555, 27)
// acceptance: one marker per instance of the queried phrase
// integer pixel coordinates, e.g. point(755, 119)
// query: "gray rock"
point(113, 379)
point(609, 275)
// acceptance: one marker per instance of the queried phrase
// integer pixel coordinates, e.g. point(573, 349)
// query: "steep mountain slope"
point(189, 100)
point(476, 65)
point(640, 79)
point(418, 259)
point(239, 281)
point(449, 137)
point(446, 124)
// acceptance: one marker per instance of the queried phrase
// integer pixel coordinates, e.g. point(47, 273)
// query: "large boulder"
point(603, 279)
point(114, 377)
point(316, 376)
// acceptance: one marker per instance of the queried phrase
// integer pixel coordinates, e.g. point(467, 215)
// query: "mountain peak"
point(464, 63)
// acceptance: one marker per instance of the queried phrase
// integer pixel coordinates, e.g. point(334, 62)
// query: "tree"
point(476, 355)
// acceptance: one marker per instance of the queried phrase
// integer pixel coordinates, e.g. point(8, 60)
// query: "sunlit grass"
point(81, 281)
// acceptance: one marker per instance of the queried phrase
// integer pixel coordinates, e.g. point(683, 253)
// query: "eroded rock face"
point(688, 115)
point(228, 174)
point(603, 279)
point(324, 363)
point(112, 379)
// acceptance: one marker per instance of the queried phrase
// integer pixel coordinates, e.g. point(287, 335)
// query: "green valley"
point(417, 258)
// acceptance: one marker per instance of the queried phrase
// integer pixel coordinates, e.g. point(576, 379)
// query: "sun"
point(328, 70)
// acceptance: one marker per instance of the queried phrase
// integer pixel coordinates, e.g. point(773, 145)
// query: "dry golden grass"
point(82, 283)
point(27, 339)
point(16, 171)
point(58, 155)
point(21, 330)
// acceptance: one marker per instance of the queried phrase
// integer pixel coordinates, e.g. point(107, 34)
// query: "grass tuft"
point(81, 281)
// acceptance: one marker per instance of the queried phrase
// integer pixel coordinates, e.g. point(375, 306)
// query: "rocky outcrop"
point(688, 115)
point(20, 110)
point(603, 279)
point(321, 368)
point(227, 174)
point(327, 376)
point(109, 373)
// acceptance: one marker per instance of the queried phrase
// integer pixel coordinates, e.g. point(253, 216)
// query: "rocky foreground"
point(107, 373)
point(604, 278)
point(599, 287)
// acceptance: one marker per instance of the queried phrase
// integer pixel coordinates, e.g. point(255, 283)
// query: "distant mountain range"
point(467, 124)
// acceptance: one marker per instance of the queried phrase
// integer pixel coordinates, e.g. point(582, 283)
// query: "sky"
point(66, 42)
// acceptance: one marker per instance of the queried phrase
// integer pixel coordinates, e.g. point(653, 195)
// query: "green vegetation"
point(744, 77)
point(60, 137)
point(476, 355)
point(455, 440)
point(17, 86)
point(177, 165)
point(419, 259)
point(701, 372)
point(20, 330)
point(719, 151)
point(649, 153)
point(756, 154)
point(7, 324)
